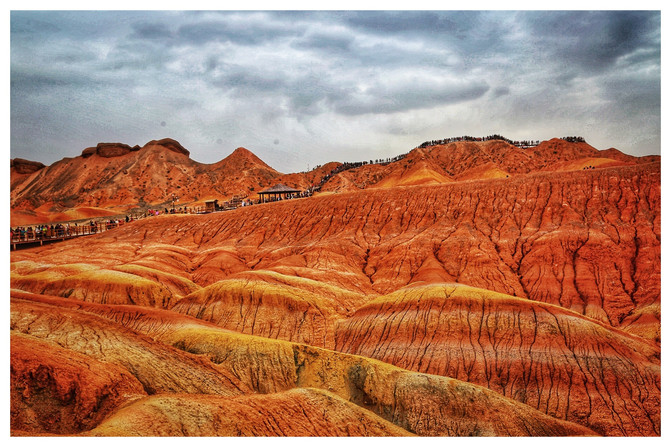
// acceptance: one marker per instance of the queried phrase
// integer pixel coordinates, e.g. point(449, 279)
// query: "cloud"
point(307, 78)
point(409, 93)
point(333, 42)
point(152, 31)
point(500, 91)
point(587, 42)
point(246, 29)
point(30, 28)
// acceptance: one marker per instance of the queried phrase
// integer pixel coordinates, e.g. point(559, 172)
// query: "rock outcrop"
point(158, 368)
point(22, 166)
point(124, 177)
point(110, 150)
point(60, 391)
point(170, 144)
point(300, 412)
point(89, 151)
point(114, 178)
point(588, 241)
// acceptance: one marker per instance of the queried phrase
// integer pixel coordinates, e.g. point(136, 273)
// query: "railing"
point(63, 232)
point(36, 234)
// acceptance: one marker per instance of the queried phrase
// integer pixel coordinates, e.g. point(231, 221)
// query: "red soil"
point(526, 305)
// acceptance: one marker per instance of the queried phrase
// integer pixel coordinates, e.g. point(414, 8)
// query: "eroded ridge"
point(323, 392)
point(299, 412)
point(158, 368)
point(587, 241)
point(552, 359)
point(541, 290)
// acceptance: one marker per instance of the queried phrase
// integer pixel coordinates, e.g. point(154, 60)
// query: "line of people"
point(60, 230)
point(40, 232)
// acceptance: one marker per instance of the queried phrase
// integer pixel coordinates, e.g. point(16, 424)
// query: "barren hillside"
point(114, 178)
point(466, 289)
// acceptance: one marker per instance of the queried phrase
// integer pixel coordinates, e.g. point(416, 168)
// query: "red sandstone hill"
point(472, 288)
point(113, 178)
point(470, 160)
point(267, 387)
point(527, 305)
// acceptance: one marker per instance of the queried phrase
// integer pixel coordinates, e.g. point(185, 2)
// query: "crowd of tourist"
point(62, 230)
point(574, 139)
point(518, 143)
point(38, 232)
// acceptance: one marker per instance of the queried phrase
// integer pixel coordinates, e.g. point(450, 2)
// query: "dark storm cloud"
point(32, 28)
point(29, 82)
point(466, 32)
point(49, 80)
point(639, 93)
point(591, 42)
point(133, 57)
point(501, 91)
point(302, 90)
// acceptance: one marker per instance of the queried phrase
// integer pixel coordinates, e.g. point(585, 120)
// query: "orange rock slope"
point(115, 178)
point(518, 305)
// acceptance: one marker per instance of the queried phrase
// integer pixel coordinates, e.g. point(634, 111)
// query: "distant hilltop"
point(109, 150)
point(112, 178)
point(518, 143)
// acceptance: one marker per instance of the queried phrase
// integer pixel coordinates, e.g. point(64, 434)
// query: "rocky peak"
point(22, 166)
point(170, 144)
point(107, 150)
point(242, 158)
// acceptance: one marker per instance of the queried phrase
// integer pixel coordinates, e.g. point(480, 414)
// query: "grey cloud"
point(234, 31)
point(644, 56)
point(382, 99)
point(324, 70)
point(394, 22)
point(245, 81)
point(312, 93)
point(466, 32)
point(501, 91)
point(590, 42)
point(74, 25)
point(249, 78)
point(633, 93)
point(35, 82)
point(301, 90)
point(212, 63)
point(27, 82)
point(75, 57)
point(152, 31)
point(135, 58)
point(325, 42)
point(26, 26)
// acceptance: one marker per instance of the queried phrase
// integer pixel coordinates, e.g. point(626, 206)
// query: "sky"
point(302, 88)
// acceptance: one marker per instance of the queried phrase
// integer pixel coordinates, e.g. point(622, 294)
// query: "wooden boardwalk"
point(31, 238)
